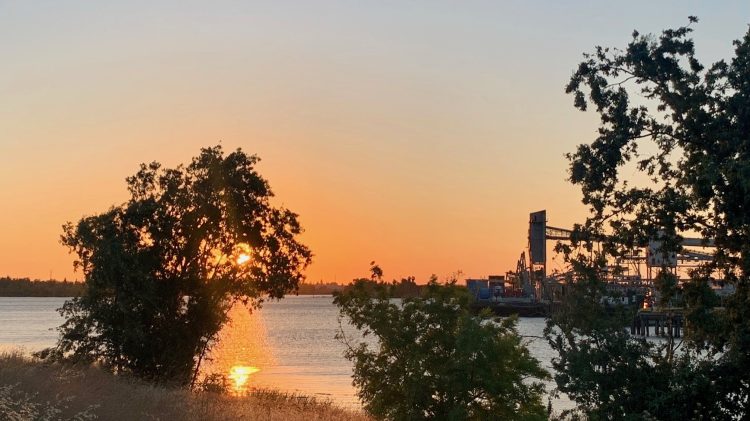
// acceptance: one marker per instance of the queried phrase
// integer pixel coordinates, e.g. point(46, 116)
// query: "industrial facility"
point(531, 291)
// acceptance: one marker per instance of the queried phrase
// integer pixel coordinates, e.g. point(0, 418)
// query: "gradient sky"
point(417, 134)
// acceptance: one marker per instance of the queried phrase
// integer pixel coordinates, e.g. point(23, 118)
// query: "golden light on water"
point(239, 376)
point(241, 352)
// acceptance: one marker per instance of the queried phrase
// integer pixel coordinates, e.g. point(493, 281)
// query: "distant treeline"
point(25, 287)
point(406, 287)
point(320, 288)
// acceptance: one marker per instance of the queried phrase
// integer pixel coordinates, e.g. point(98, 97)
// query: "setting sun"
point(242, 251)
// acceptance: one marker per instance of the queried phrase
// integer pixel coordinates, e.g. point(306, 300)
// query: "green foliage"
point(434, 359)
point(672, 156)
point(162, 269)
point(612, 375)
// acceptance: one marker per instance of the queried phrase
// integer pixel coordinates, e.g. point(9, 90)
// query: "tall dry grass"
point(32, 390)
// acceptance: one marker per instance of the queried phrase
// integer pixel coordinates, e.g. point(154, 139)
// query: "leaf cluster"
point(434, 359)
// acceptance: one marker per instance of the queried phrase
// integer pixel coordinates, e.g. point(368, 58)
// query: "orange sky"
point(418, 135)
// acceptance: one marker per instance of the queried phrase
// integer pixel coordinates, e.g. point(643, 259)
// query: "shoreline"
point(31, 388)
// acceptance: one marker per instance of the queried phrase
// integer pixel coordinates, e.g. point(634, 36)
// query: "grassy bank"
point(32, 390)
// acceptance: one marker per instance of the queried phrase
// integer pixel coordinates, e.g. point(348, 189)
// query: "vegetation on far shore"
point(31, 389)
point(25, 287)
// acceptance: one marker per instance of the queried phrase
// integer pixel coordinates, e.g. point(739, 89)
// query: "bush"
point(436, 360)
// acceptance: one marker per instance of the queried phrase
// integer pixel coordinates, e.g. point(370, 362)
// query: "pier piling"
point(664, 323)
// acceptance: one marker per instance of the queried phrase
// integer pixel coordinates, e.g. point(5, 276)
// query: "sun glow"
point(242, 253)
point(239, 375)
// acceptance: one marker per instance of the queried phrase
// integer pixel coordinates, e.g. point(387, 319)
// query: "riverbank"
point(30, 389)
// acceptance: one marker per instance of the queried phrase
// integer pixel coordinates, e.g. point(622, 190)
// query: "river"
point(287, 345)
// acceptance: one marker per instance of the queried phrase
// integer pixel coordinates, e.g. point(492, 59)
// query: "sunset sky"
point(417, 134)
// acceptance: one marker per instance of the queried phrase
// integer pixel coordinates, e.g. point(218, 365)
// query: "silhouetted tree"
point(672, 156)
point(376, 273)
point(434, 359)
point(162, 269)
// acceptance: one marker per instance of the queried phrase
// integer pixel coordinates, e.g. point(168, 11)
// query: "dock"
point(667, 322)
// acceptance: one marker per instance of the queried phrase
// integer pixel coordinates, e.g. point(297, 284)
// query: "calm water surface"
point(288, 345)
point(29, 323)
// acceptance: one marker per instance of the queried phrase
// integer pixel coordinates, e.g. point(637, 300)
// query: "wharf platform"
point(666, 322)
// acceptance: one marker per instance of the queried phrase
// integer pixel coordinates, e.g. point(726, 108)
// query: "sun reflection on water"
point(239, 376)
point(241, 351)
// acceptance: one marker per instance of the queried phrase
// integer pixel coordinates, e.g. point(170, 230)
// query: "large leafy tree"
point(434, 359)
point(162, 269)
point(672, 156)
